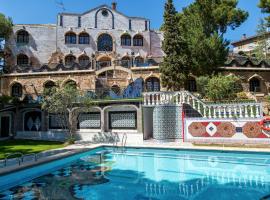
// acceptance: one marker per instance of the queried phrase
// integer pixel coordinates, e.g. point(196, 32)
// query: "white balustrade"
point(242, 110)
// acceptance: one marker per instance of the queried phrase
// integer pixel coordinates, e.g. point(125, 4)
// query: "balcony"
point(103, 64)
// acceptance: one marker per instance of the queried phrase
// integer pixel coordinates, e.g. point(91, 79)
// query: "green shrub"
point(220, 88)
point(202, 82)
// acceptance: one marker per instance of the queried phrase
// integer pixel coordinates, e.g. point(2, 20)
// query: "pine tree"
point(261, 50)
point(173, 72)
point(265, 6)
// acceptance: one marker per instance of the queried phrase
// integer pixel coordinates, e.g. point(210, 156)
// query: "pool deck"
point(84, 146)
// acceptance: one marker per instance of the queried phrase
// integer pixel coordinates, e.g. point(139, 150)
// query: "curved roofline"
point(102, 6)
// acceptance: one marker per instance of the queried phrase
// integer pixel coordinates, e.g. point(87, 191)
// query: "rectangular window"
point(123, 120)
point(79, 22)
point(146, 25)
point(89, 121)
point(130, 25)
point(61, 20)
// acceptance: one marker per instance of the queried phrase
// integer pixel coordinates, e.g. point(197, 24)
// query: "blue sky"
point(45, 11)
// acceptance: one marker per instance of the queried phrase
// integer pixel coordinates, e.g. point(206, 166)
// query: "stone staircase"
point(207, 110)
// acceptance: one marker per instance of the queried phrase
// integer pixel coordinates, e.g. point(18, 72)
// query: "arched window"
point(32, 121)
point(105, 43)
point(191, 85)
point(126, 40)
point(138, 41)
point(254, 85)
point(22, 37)
point(84, 60)
point(152, 84)
point(126, 62)
point(138, 61)
point(70, 83)
point(70, 60)
point(84, 38)
point(49, 85)
point(116, 89)
point(22, 59)
point(70, 38)
point(16, 90)
point(104, 62)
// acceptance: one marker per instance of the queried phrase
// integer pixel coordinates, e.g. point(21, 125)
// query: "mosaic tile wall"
point(89, 121)
point(122, 120)
point(212, 130)
point(167, 122)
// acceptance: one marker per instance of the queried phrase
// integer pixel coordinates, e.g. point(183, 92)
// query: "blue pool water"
point(144, 174)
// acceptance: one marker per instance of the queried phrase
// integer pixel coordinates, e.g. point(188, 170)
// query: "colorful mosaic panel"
point(89, 121)
point(239, 130)
point(122, 120)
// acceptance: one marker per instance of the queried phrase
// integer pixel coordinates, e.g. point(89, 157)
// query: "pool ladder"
point(123, 142)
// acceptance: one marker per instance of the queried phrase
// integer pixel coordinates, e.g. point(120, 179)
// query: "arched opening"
point(84, 60)
point(191, 84)
point(126, 62)
point(255, 85)
point(84, 38)
point(32, 121)
point(105, 42)
point(70, 38)
point(116, 89)
point(70, 60)
point(139, 61)
point(23, 37)
point(16, 90)
point(126, 40)
point(70, 83)
point(104, 62)
point(138, 41)
point(152, 84)
point(22, 59)
point(49, 85)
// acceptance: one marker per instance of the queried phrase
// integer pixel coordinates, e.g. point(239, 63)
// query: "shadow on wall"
point(105, 137)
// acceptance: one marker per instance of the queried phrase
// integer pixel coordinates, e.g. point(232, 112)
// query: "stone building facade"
point(101, 51)
point(104, 53)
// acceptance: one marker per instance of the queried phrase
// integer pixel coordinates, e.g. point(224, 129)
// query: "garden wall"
point(244, 131)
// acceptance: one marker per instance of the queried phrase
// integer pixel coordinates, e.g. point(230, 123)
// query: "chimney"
point(244, 36)
point(114, 5)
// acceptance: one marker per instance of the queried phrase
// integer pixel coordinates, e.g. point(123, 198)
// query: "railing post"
point(204, 111)
point(252, 111)
point(246, 111)
point(219, 112)
point(145, 99)
point(214, 109)
point(241, 111)
point(258, 111)
point(209, 112)
point(235, 111)
point(225, 111)
point(230, 111)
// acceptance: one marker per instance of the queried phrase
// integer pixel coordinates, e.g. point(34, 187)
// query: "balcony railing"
point(103, 64)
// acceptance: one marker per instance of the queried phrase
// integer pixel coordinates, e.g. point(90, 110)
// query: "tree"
point(65, 102)
point(204, 23)
point(261, 50)
point(5, 26)
point(173, 70)
point(265, 7)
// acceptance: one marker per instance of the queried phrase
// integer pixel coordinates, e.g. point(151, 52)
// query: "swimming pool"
point(140, 174)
